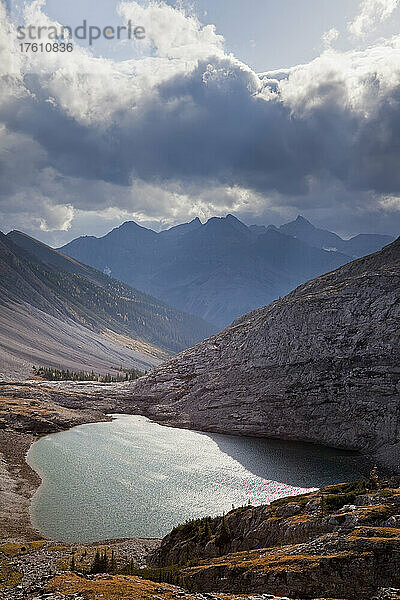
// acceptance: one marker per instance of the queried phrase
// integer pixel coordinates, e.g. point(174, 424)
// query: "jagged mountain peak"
point(232, 218)
point(131, 227)
point(221, 269)
point(301, 219)
point(182, 229)
point(227, 222)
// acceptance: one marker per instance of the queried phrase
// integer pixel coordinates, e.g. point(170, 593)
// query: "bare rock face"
point(339, 542)
point(320, 365)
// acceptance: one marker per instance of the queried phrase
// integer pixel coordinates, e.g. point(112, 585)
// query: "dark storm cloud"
point(220, 129)
point(332, 124)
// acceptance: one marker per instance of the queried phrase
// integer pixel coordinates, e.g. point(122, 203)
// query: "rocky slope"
point(342, 542)
point(57, 312)
point(320, 365)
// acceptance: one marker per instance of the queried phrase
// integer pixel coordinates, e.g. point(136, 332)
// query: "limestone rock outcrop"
point(339, 542)
point(320, 365)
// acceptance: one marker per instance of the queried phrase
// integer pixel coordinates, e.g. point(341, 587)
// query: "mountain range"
point(355, 247)
point(57, 312)
point(320, 365)
point(221, 269)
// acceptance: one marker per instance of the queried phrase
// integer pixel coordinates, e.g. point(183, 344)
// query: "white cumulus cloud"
point(372, 13)
point(329, 37)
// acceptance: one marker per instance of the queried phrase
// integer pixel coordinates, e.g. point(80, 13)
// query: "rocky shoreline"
point(341, 541)
point(18, 483)
point(26, 411)
point(330, 544)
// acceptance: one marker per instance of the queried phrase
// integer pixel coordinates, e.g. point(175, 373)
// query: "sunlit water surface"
point(134, 478)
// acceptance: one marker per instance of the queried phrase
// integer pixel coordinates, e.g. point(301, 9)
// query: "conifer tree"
point(96, 563)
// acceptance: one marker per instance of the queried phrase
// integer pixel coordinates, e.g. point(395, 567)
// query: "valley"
point(199, 300)
point(57, 312)
point(305, 368)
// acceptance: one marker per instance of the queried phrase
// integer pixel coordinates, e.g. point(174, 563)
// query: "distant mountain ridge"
point(55, 311)
point(218, 270)
point(357, 246)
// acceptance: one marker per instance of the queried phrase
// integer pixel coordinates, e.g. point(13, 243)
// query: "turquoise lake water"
point(134, 478)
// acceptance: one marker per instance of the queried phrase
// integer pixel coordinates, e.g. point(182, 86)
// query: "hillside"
point(320, 365)
point(218, 270)
point(55, 311)
point(339, 542)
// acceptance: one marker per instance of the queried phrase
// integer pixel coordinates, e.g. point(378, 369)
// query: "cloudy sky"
point(260, 108)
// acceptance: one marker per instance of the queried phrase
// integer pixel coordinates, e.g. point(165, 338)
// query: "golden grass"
point(117, 587)
point(8, 576)
point(107, 587)
point(377, 535)
point(58, 548)
point(24, 406)
point(276, 560)
point(300, 519)
point(380, 511)
point(10, 549)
